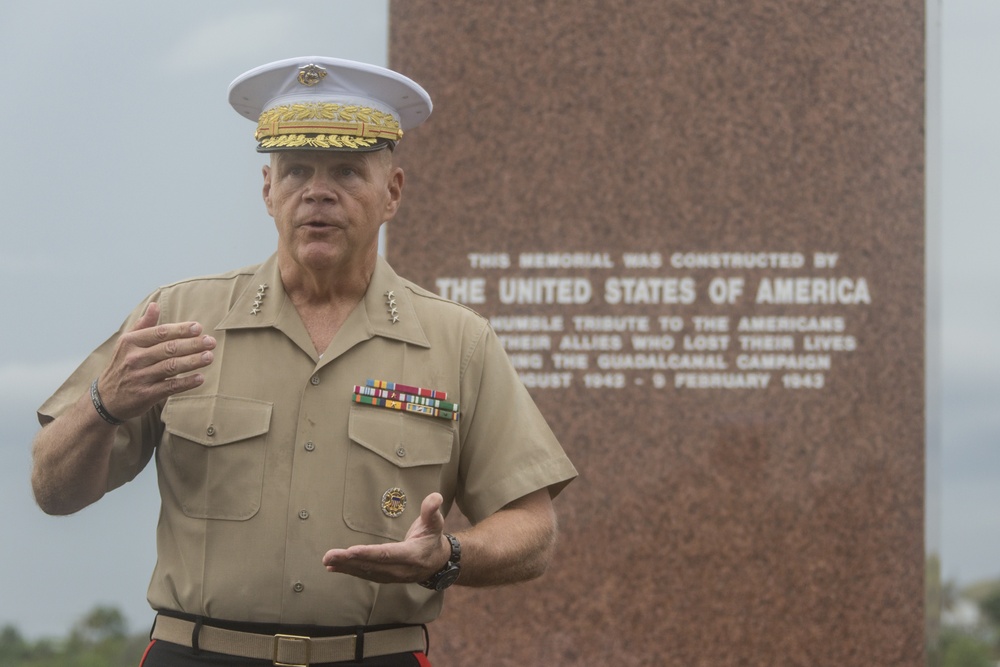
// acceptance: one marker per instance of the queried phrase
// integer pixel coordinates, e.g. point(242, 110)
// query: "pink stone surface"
point(708, 527)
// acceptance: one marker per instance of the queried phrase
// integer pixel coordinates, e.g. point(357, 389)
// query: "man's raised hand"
point(153, 361)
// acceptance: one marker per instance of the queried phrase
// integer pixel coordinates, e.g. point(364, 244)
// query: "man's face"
point(329, 205)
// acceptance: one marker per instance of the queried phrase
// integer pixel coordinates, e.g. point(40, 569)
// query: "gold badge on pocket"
point(393, 502)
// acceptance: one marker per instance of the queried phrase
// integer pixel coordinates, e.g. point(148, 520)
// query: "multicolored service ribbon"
point(407, 389)
point(406, 398)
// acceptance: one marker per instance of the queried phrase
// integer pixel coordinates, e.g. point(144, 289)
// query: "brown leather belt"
point(290, 650)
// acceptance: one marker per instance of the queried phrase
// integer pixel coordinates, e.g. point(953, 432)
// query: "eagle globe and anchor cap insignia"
point(393, 502)
point(310, 75)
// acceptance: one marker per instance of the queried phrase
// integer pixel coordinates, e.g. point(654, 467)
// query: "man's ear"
point(395, 186)
point(266, 170)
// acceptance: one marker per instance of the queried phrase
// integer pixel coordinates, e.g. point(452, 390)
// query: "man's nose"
point(320, 188)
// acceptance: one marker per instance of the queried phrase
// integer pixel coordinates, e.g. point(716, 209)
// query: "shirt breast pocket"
point(213, 456)
point(394, 462)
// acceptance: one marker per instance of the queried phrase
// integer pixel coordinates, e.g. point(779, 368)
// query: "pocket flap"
point(403, 440)
point(216, 420)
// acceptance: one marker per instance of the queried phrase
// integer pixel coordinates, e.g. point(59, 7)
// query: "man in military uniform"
point(313, 417)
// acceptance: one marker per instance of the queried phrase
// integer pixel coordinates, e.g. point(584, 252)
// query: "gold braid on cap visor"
point(325, 125)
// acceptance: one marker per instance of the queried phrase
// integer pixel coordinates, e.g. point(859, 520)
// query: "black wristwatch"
point(447, 575)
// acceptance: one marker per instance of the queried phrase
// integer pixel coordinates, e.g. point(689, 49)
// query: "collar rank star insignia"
point(390, 304)
point(258, 299)
point(393, 502)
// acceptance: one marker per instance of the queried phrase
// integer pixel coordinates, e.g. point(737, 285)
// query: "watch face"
point(447, 578)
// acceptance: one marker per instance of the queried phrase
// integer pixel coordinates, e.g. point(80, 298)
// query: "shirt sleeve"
point(507, 449)
point(134, 440)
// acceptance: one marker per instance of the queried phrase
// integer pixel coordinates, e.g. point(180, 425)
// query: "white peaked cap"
point(315, 102)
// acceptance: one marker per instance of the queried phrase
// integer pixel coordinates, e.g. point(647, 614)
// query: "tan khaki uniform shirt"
point(270, 463)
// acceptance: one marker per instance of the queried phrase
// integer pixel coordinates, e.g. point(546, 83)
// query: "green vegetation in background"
point(976, 645)
point(99, 639)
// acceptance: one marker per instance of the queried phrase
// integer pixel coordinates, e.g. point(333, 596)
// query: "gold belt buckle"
point(292, 638)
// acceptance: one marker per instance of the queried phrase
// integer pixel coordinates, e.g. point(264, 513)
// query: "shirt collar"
point(386, 309)
point(389, 306)
point(261, 301)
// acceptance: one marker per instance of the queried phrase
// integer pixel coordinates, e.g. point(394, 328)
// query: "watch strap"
point(447, 575)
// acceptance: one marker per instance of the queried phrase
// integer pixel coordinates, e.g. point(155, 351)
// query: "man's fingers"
point(180, 356)
point(398, 562)
point(182, 383)
point(153, 361)
point(169, 362)
point(163, 333)
point(386, 563)
point(149, 318)
point(430, 512)
point(167, 349)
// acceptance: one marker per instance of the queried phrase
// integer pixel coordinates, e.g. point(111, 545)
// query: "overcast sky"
point(124, 168)
point(970, 239)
